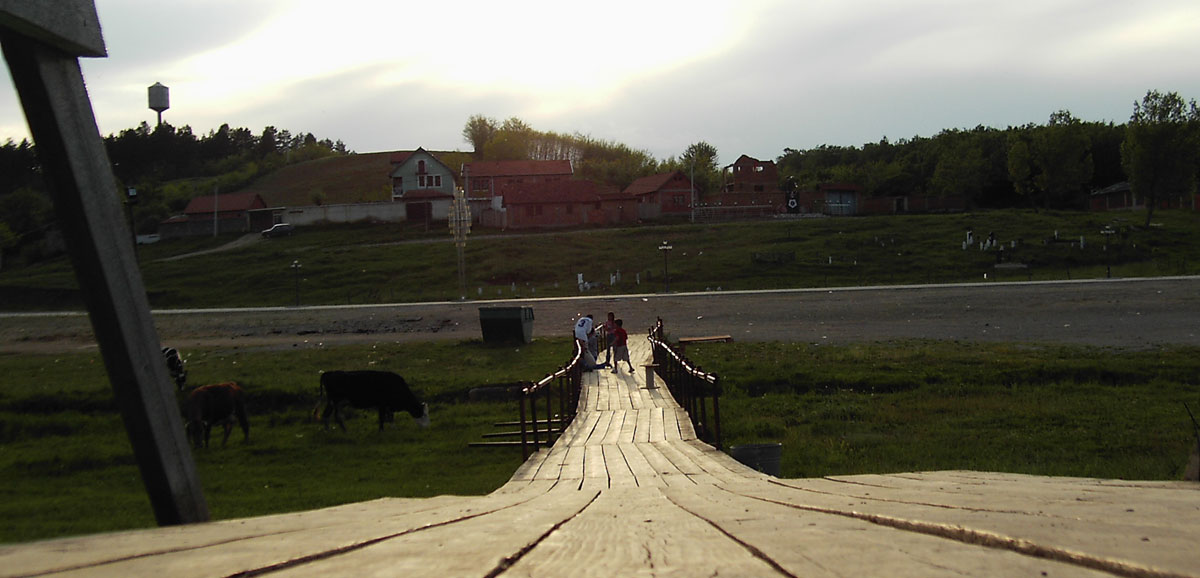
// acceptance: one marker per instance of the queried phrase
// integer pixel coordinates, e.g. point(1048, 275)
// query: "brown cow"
point(215, 404)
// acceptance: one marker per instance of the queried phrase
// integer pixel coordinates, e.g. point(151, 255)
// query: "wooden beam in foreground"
point(46, 73)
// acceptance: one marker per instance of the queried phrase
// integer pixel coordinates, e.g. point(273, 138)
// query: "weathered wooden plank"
point(616, 425)
point(223, 548)
point(641, 432)
point(601, 429)
point(644, 474)
point(573, 464)
point(71, 26)
point(1062, 527)
point(529, 468)
point(77, 170)
point(477, 547)
point(721, 463)
point(594, 467)
point(657, 432)
point(636, 532)
point(813, 544)
point(619, 473)
point(663, 467)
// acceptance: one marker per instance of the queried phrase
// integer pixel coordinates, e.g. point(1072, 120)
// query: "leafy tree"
point(1020, 163)
point(8, 239)
point(1160, 148)
point(26, 210)
point(478, 131)
point(1063, 155)
point(961, 168)
point(700, 162)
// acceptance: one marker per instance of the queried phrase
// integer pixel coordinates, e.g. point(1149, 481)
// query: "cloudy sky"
point(749, 77)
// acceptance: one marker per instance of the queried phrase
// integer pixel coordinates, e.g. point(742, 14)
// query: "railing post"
point(549, 417)
point(717, 411)
point(524, 439)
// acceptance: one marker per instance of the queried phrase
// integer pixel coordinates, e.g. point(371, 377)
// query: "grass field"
point(404, 263)
point(66, 466)
point(933, 405)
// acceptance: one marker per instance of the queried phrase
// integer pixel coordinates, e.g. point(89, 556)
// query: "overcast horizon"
point(749, 78)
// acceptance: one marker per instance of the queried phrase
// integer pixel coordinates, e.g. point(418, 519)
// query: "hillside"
point(355, 178)
point(343, 179)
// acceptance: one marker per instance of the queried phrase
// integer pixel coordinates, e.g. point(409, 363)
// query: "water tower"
point(160, 99)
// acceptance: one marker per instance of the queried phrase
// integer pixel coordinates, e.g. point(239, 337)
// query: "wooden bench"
point(685, 341)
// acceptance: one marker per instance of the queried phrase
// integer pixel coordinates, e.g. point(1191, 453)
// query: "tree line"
point(166, 165)
point(1051, 166)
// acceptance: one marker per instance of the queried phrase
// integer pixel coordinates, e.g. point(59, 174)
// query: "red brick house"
point(234, 213)
point(749, 182)
point(664, 194)
point(488, 179)
point(559, 204)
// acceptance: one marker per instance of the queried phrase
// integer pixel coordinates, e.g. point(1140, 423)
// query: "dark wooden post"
point(42, 43)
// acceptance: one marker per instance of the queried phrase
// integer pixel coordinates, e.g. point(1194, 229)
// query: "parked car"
point(278, 230)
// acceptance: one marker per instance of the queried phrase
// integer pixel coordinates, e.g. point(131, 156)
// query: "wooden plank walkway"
point(628, 490)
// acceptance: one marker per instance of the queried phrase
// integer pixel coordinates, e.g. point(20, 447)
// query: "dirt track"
point(1119, 313)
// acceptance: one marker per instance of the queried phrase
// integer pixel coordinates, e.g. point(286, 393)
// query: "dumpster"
point(762, 457)
point(506, 324)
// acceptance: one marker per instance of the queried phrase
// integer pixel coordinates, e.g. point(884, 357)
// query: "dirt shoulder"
point(1117, 313)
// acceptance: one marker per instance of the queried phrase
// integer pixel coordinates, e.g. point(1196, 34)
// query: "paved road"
point(1135, 313)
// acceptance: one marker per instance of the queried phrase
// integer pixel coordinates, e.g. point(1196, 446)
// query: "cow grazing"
point(211, 405)
point(366, 389)
point(175, 367)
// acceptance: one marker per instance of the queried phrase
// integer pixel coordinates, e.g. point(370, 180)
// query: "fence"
point(692, 388)
point(563, 384)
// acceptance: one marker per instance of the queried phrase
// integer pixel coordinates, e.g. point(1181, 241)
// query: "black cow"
point(366, 389)
point(175, 366)
point(208, 405)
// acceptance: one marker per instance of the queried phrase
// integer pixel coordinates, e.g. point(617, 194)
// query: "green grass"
point(66, 466)
point(914, 406)
point(373, 263)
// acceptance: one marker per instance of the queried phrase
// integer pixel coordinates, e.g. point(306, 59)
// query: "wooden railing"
point(694, 390)
point(564, 384)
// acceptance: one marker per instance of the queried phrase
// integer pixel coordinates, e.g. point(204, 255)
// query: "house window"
point(437, 180)
point(421, 181)
point(758, 168)
point(678, 200)
point(420, 167)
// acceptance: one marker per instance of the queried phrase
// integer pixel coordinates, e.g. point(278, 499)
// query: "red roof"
point(652, 183)
point(225, 203)
point(518, 168)
point(399, 157)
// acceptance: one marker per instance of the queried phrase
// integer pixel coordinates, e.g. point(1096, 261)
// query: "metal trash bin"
point(506, 324)
point(762, 457)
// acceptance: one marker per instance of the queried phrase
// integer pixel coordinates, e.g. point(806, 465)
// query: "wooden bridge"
point(628, 490)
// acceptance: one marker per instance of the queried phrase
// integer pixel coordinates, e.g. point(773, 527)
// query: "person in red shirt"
point(620, 347)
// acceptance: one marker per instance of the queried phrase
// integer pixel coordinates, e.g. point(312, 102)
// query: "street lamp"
point(130, 201)
point(666, 247)
point(296, 268)
point(1108, 233)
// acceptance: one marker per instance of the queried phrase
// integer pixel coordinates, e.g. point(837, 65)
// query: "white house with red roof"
point(423, 183)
